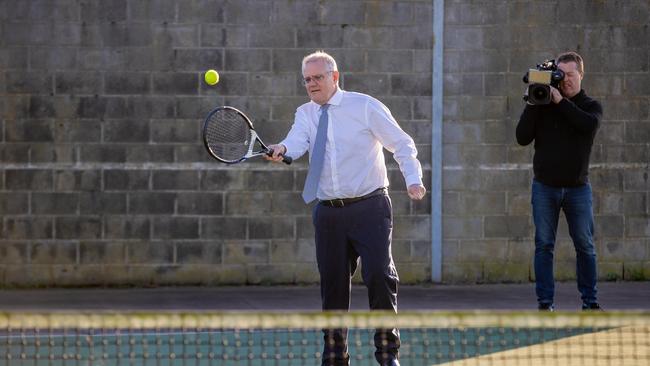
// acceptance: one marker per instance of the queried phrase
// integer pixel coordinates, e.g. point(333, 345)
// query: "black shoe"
point(592, 306)
point(546, 306)
point(391, 363)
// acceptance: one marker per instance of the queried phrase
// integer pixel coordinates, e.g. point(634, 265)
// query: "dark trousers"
point(343, 235)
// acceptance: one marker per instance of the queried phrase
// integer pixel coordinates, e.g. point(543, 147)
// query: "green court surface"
point(256, 347)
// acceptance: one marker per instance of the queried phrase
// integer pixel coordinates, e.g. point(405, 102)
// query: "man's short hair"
point(572, 56)
point(320, 56)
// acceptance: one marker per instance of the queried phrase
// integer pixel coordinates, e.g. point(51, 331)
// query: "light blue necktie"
point(317, 158)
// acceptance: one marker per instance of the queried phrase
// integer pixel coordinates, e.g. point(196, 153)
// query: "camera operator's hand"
point(556, 96)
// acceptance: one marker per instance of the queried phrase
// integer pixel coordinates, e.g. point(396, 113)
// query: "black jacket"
point(564, 134)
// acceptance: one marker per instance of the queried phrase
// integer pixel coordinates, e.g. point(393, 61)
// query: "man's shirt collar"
point(336, 98)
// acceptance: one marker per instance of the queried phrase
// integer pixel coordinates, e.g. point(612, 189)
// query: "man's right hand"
point(556, 96)
point(278, 151)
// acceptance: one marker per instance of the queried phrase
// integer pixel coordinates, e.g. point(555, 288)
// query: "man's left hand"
point(416, 191)
point(556, 96)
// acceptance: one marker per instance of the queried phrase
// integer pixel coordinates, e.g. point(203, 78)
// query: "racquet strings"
point(228, 134)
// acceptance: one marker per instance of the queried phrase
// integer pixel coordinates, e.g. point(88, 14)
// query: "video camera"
point(540, 81)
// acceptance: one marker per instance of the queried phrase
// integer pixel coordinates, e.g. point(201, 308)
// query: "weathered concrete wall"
point(488, 229)
point(104, 179)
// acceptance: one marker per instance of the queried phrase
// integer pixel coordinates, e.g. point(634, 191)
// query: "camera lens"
point(539, 94)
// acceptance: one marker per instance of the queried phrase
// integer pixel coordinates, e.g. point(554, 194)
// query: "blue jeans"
point(577, 205)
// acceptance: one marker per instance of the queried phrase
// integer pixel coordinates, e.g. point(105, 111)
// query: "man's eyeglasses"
point(317, 78)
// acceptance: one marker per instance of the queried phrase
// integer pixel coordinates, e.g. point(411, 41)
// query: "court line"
point(627, 346)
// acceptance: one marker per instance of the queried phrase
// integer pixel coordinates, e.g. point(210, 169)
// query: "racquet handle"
point(285, 159)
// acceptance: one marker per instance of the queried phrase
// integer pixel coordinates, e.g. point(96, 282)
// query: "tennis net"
point(274, 338)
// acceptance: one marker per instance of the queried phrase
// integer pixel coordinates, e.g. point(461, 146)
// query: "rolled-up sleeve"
point(386, 129)
point(297, 140)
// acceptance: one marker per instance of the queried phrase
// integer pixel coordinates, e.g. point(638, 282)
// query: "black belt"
point(341, 202)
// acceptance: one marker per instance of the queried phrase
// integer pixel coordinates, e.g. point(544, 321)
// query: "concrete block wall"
point(104, 178)
point(487, 226)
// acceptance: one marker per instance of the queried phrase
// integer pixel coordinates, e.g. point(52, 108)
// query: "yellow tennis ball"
point(211, 77)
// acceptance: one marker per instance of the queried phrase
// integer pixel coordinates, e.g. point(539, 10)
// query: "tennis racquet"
point(230, 137)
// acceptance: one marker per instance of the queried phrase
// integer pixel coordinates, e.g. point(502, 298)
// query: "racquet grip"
point(285, 159)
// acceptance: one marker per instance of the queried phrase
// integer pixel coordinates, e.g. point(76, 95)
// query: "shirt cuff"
point(413, 179)
point(288, 151)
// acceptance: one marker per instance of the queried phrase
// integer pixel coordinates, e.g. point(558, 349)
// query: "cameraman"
point(564, 132)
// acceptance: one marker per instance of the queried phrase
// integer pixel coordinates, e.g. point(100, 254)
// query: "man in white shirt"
point(347, 174)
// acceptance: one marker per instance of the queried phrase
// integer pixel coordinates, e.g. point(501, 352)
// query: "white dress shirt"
point(359, 127)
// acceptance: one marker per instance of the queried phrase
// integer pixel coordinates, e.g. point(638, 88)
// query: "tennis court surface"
point(439, 325)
